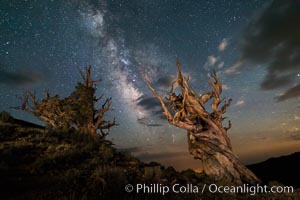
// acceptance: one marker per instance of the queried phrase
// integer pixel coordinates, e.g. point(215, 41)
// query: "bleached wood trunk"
point(207, 137)
point(218, 160)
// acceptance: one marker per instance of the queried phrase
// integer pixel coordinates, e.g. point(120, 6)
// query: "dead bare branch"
point(77, 110)
point(207, 138)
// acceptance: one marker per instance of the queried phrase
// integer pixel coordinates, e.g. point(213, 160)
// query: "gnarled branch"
point(77, 110)
point(189, 109)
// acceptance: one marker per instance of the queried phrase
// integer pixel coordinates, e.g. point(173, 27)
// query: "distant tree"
point(207, 138)
point(75, 111)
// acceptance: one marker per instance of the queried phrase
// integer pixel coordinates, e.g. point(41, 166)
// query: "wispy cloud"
point(18, 79)
point(221, 65)
point(274, 81)
point(234, 69)
point(297, 117)
point(223, 45)
point(239, 103)
point(290, 93)
point(212, 60)
point(225, 87)
point(148, 102)
point(294, 129)
point(272, 40)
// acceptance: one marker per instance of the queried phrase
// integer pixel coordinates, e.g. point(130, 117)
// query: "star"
point(46, 44)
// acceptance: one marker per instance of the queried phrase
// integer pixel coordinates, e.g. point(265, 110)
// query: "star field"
point(44, 44)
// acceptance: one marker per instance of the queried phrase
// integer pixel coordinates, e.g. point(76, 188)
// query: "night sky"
point(253, 45)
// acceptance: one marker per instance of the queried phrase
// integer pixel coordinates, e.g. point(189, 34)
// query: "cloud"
point(293, 129)
point(221, 65)
point(272, 40)
point(295, 136)
point(297, 117)
point(290, 93)
point(147, 122)
point(273, 81)
point(223, 45)
point(148, 102)
point(17, 79)
point(159, 113)
point(215, 61)
point(164, 82)
point(240, 103)
point(151, 105)
point(234, 69)
point(212, 60)
point(225, 87)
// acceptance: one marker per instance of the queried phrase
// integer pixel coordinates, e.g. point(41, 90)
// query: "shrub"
point(5, 117)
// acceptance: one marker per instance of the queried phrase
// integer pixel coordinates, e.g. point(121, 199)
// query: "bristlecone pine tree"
point(75, 111)
point(207, 138)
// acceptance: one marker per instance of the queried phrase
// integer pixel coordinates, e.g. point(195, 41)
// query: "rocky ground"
point(42, 164)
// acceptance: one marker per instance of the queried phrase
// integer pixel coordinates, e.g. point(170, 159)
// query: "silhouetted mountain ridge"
point(285, 169)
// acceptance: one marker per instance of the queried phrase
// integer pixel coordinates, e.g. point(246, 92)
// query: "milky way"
point(44, 44)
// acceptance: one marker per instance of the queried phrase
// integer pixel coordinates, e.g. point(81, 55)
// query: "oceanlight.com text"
point(211, 188)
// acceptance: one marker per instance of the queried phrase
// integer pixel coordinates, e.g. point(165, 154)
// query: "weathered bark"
point(75, 111)
point(218, 160)
point(207, 138)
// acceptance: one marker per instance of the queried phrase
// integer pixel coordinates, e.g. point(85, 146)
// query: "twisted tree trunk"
point(207, 138)
point(218, 160)
point(75, 111)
